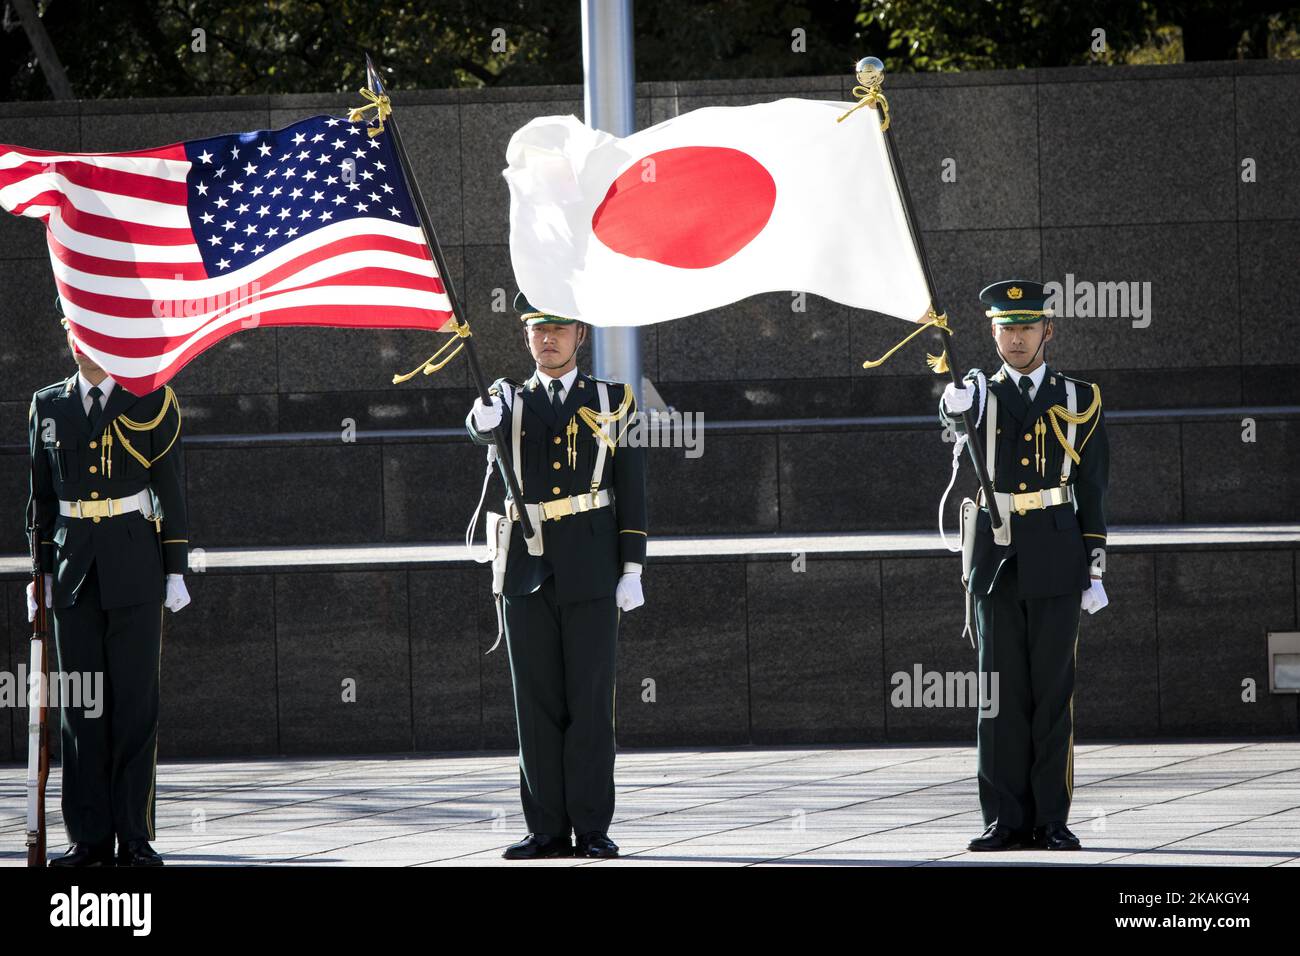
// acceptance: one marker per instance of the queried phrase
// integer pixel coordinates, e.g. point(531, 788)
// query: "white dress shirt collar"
point(566, 382)
point(84, 386)
point(1035, 377)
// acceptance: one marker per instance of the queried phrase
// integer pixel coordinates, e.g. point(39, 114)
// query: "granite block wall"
point(323, 489)
point(764, 651)
point(1108, 174)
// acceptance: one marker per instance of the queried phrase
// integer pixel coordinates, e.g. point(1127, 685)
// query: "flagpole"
point(870, 73)
point(504, 461)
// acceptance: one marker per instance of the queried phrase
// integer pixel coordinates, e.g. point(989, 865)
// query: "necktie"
point(1025, 385)
point(555, 396)
point(96, 406)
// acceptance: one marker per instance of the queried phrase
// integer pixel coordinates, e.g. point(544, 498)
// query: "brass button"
point(555, 491)
point(1024, 461)
point(95, 519)
point(555, 465)
point(94, 444)
point(999, 431)
point(1021, 512)
point(94, 494)
point(94, 469)
point(557, 439)
point(1028, 437)
point(1023, 486)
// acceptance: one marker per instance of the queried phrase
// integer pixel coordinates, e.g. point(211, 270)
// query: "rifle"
point(38, 738)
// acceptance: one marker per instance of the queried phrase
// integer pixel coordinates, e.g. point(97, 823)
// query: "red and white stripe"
point(134, 287)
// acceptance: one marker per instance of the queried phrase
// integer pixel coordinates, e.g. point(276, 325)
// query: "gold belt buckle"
point(559, 508)
point(95, 509)
point(1027, 501)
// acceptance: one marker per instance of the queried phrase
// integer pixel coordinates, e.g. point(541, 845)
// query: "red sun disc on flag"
point(691, 207)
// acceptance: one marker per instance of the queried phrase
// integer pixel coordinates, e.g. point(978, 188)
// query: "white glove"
point(1094, 599)
point(31, 596)
point(487, 417)
point(958, 400)
point(177, 594)
point(628, 594)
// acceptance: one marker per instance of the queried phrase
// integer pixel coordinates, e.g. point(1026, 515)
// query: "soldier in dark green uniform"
point(1049, 460)
point(585, 492)
point(109, 496)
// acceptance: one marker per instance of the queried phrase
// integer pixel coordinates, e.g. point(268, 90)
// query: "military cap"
point(1015, 302)
point(532, 316)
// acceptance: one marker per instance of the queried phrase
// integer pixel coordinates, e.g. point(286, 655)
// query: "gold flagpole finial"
point(379, 102)
point(871, 76)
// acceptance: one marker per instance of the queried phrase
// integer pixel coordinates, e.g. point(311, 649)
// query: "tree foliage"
point(137, 48)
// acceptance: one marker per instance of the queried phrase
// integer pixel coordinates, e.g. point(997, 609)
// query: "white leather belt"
point(106, 507)
point(1033, 500)
point(563, 507)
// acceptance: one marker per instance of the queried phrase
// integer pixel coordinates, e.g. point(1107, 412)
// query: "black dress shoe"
point(539, 846)
point(1000, 837)
point(137, 853)
point(85, 854)
point(1055, 836)
point(596, 844)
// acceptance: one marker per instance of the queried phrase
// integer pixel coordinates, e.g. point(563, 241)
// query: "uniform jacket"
point(135, 445)
point(1059, 545)
point(584, 551)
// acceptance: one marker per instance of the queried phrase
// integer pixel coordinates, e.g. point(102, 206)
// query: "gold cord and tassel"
point(432, 363)
point(571, 436)
point(106, 454)
point(939, 322)
point(1059, 412)
point(169, 399)
point(869, 96)
point(379, 103)
point(595, 419)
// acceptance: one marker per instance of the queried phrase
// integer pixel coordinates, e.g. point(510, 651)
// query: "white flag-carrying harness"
point(707, 208)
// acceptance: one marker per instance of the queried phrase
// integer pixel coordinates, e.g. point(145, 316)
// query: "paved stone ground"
point(1217, 803)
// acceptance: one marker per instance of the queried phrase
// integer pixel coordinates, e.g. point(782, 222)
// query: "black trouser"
point(562, 662)
point(109, 760)
point(1026, 751)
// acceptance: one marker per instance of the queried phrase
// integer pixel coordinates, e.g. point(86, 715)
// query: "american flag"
point(160, 253)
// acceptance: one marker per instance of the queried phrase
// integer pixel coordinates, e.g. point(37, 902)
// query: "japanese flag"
point(707, 208)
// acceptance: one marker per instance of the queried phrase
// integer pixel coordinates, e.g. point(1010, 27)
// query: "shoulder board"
point(495, 387)
point(624, 392)
point(51, 390)
point(622, 387)
point(1075, 379)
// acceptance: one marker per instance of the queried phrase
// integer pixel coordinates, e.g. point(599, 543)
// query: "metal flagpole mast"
point(871, 73)
point(504, 461)
point(610, 105)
